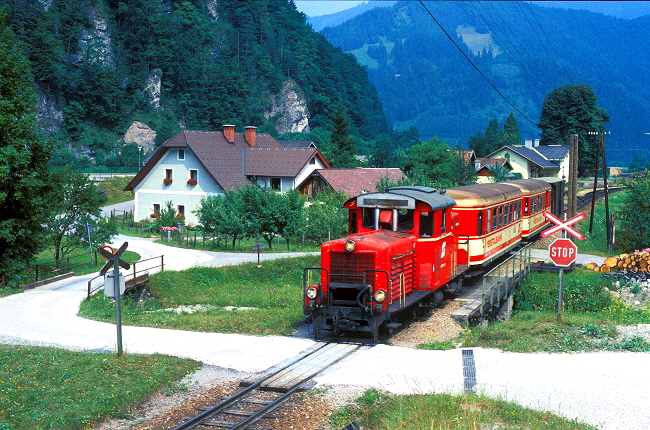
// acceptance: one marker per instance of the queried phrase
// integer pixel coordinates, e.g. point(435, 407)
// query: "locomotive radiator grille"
point(402, 271)
point(348, 267)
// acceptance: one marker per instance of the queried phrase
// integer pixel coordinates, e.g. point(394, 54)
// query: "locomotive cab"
point(400, 250)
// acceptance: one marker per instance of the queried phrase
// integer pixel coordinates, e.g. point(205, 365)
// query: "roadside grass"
point(378, 410)
point(79, 264)
point(246, 299)
point(589, 319)
point(596, 242)
point(46, 388)
point(114, 190)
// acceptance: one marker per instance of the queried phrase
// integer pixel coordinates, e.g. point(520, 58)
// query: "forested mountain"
point(101, 64)
point(524, 50)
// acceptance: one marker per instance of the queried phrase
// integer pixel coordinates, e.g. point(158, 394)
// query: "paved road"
point(605, 389)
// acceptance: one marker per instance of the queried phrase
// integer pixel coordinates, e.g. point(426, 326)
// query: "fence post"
point(68, 264)
point(35, 271)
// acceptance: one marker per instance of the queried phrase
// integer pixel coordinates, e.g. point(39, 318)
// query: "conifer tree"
point(343, 150)
point(24, 158)
point(511, 133)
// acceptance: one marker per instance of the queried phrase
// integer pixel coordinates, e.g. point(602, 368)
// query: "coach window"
point(500, 217)
point(426, 224)
point(494, 219)
point(479, 224)
point(488, 226)
point(506, 214)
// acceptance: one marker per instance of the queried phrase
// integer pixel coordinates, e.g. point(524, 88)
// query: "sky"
point(319, 7)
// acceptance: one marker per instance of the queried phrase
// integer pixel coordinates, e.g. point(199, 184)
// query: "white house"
point(535, 161)
point(195, 164)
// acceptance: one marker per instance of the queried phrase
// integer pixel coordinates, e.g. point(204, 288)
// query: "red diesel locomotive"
point(408, 245)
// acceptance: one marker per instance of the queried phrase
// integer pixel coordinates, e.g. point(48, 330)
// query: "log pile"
point(638, 261)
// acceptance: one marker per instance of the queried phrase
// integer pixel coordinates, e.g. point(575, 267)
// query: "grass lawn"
point(596, 242)
point(378, 410)
point(48, 388)
point(267, 300)
point(114, 190)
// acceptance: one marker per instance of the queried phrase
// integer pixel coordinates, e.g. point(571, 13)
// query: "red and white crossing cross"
point(563, 225)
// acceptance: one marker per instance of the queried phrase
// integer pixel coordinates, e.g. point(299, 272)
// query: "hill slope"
point(101, 64)
point(524, 50)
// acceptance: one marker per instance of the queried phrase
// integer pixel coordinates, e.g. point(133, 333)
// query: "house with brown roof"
point(353, 181)
point(197, 163)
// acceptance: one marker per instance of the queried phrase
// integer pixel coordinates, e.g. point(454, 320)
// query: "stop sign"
point(562, 252)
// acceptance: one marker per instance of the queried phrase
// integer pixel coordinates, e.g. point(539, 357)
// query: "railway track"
point(265, 393)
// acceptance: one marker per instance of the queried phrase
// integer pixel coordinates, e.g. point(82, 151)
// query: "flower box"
point(154, 215)
point(191, 181)
point(168, 181)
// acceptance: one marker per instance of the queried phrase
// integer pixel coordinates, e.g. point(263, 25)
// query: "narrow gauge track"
point(285, 379)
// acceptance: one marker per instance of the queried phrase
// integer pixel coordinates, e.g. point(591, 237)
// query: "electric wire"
point(560, 66)
point(524, 70)
point(474, 65)
point(544, 77)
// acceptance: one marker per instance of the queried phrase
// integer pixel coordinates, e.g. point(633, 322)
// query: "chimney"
point(529, 143)
point(536, 143)
point(250, 132)
point(229, 132)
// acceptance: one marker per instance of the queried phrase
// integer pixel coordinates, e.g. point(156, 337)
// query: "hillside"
point(524, 50)
point(100, 65)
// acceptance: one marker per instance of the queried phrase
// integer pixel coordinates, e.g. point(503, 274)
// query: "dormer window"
point(181, 154)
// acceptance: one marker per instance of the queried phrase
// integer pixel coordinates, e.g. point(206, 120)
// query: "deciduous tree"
point(24, 157)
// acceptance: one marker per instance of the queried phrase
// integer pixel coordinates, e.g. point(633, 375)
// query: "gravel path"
point(604, 389)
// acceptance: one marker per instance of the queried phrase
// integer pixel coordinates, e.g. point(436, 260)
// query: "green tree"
point(511, 133)
point(493, 136)
point(74, 203)
point(479, 144)
point(634, 216)
point(324, 216)
point(24, 157)
point(384, 153)
point(573, 109)
point(434, 163)
point(638, 164)
point(341, 151)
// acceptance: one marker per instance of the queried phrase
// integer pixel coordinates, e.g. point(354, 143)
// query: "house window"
point(181, 154)
point(276, 183)
point(169, 174)
point(194, 177)
point(156, 209)
point(181, 210)
point(312, 161)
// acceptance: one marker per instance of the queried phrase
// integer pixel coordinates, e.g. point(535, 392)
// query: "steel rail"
point(196, 421)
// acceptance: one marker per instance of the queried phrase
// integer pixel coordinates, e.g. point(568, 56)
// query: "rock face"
point(152, 88)
point(290, 107)
point(95, 43)
point(142, 134)
point(49, 116)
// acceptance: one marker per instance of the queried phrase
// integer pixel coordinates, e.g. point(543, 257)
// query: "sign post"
point(562, 251)
point(113, 259)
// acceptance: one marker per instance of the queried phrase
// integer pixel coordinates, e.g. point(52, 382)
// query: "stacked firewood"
point(638, 261)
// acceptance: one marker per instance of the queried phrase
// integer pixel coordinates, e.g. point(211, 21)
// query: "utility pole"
point(572, 198)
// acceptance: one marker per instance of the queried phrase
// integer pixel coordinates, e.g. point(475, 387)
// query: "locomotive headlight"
point(380, 296)
point(350, 245)
point(312, 292)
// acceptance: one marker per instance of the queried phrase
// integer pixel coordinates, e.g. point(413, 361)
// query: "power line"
point(524, 70)
point(474, 65)
point(560, 66)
